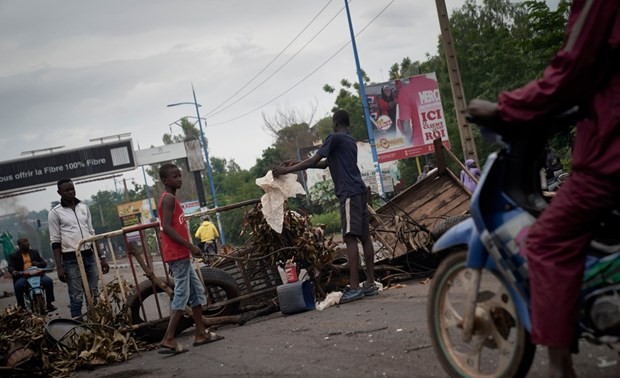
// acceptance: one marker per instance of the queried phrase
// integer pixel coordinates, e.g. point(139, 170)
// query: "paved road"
point(382, 336)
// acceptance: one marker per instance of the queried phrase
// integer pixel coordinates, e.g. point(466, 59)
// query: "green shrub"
point(331, 221)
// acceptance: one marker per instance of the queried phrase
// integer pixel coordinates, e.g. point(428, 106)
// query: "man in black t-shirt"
point(339, 153)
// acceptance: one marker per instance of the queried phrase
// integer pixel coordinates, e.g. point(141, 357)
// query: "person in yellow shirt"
point(207, 233)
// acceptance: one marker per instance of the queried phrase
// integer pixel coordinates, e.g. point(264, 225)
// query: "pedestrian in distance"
point(585, 72)
point(23, 259)
point(339, 153)
point(471, 167)
point(69, 222)
point(177, 250)
point(424, 173)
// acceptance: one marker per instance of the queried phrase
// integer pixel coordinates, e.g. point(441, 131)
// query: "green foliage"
point(323, 195)
point(331, 220)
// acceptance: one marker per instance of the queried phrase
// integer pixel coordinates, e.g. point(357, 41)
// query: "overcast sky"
point(74, 70)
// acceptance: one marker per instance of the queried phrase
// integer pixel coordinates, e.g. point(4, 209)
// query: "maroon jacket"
point(586, 72)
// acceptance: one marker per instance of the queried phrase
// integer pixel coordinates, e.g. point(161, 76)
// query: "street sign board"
point(85, 162)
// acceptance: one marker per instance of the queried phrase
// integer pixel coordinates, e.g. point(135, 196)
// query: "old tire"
point(145, 294)
point(220, 286)
point(447, 224)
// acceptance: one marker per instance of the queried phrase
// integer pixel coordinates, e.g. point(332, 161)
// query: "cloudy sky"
point(74, 70)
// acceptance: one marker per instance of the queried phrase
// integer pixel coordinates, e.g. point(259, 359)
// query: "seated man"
point(23, 259)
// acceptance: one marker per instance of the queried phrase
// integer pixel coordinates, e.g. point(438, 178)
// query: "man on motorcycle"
point(586, 72)
point(23, 259)
point(207, 233)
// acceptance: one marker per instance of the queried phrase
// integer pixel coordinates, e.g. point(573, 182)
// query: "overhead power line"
point(210, 112)
point(308, 75)
point(281, 66)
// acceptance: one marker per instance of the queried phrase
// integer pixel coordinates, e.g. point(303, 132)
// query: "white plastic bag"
point(276, 192)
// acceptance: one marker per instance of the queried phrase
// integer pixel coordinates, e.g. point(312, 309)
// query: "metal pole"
point(209, 170)
point(371, 134)
point(148, 190)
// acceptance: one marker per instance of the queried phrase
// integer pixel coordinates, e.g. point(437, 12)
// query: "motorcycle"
point(478, 303)
point(34, 294)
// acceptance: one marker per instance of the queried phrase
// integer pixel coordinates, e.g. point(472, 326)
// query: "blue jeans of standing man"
point(74, 280)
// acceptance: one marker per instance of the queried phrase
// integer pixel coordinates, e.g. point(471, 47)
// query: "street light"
point(204, 148)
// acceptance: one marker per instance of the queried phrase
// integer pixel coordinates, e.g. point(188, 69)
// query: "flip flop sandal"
point(212, 338)
point(178, 349)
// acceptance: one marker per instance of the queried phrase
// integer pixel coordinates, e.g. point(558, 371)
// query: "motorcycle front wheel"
point(500, 345)
point(38, 304)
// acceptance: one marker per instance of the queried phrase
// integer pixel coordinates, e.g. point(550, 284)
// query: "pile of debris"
point(31, 346)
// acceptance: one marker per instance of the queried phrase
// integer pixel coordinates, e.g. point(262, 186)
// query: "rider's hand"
point(196, 252)
point(483, 109)
point(105, 268)
point(61, 274)
point(16, 274)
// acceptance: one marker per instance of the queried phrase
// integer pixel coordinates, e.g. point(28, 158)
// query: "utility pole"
point(458, 94)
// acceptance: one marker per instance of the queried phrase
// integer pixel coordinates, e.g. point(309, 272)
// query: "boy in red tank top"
point(177, 250)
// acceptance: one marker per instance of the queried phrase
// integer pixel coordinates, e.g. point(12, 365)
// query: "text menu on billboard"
point(78, 163)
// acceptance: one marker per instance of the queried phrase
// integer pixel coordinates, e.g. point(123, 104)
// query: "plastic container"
point(296, 297)
point(291, 272)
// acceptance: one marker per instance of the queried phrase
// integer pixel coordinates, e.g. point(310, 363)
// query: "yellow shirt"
point(27, 261)
point(207, 232)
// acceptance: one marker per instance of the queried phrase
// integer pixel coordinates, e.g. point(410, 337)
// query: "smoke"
point(17, 221)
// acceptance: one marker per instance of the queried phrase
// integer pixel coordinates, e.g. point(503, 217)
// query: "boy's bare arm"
point(167, 211)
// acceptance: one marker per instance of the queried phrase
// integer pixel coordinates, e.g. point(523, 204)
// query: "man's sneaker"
point(51, 307)
point(351, 295)
point(370, 290)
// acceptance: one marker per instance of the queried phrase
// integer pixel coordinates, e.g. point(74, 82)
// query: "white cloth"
point(276, 192)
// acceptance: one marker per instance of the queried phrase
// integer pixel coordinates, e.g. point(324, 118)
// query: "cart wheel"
point(151, 296)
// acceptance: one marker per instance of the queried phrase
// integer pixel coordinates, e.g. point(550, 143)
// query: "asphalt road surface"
point(381, 336)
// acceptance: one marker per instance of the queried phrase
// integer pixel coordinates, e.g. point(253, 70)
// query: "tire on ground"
point(440, 229)
point(220, 286)
point(447, 224)
point(155, 332)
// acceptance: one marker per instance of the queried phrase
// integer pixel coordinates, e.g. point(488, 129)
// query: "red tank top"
point(173, 251)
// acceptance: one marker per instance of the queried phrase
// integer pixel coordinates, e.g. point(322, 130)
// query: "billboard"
point(407, 116)
point(389, 171)
point(43, 170)
point(136, 212)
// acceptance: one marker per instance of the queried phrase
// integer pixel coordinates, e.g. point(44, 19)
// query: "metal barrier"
point(138, 252)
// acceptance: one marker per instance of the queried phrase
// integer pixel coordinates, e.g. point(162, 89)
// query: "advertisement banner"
point(190, 207)
point(81, 163)
point(407, 116)
point(389, 170)
point(130, 211)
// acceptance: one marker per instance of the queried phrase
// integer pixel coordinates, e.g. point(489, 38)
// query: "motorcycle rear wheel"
point(500, 345)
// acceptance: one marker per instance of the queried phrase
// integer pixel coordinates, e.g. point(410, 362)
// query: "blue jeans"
point(187, 286)
point(46, 283)
point(74, 282)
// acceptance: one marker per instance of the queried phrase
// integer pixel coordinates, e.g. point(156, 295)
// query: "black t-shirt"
point(340, 150)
